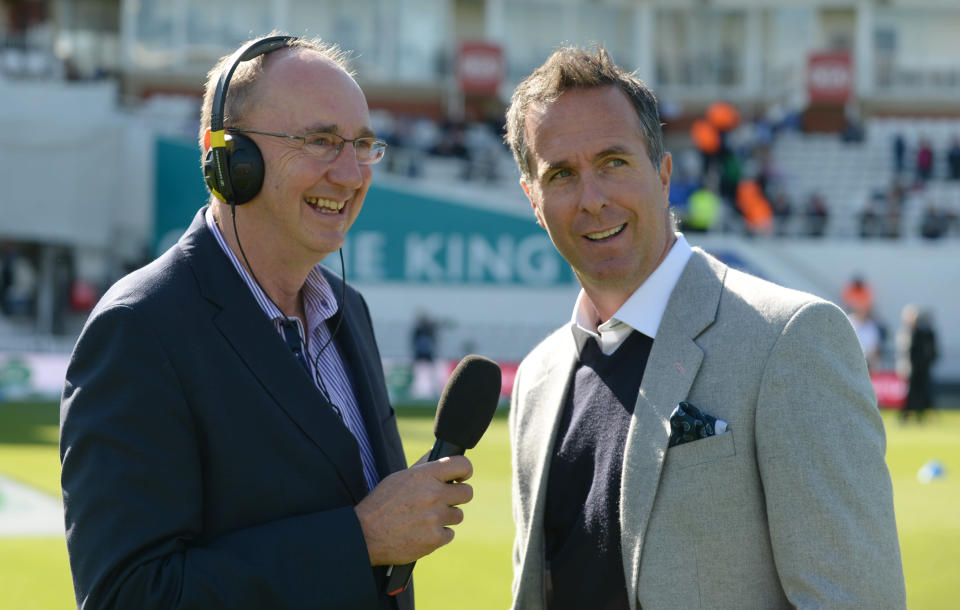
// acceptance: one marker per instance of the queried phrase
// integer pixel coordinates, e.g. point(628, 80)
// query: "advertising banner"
point(480, 68)
point(830, 77)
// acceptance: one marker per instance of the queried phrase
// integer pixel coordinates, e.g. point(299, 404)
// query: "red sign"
point(508, 372)
point(891, 389)
point(480, 68)
point(830, 77)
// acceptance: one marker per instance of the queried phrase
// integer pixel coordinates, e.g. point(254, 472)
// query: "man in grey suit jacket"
point(695, 437)
point(227, 440)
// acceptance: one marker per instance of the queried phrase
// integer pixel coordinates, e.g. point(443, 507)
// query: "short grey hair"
point(576, 68)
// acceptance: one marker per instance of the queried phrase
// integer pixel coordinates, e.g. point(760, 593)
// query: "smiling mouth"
point(325, 206)
point(601, 235)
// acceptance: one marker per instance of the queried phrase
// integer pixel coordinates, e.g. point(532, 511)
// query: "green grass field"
point(475, 568)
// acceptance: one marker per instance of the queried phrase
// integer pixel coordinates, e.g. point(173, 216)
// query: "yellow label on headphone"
point(218, 139)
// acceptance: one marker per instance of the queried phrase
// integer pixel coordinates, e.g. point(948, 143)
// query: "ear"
point(666, 169)
point(533, 203)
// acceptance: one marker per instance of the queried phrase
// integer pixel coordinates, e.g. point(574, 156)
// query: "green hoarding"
point(399, 236)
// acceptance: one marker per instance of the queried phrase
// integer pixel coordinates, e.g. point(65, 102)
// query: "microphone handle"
point(442, 449)
point(398, 577)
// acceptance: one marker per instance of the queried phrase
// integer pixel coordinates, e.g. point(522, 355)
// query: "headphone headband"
point(221, 184)
point(249, 51)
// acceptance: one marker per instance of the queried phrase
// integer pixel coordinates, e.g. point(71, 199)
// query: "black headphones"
point(233, 167)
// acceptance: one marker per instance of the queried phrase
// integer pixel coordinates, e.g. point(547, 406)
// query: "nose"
point(344, 170)
point(592, 197)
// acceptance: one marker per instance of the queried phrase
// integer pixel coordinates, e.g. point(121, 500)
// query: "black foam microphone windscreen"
point(468, 402)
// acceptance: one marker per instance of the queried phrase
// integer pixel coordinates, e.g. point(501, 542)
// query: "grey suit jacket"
point(793, 506)
point(201, 466)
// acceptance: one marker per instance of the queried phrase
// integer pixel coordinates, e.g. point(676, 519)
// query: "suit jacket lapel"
point(670, 371)
point(546, 396)
point(258, 344)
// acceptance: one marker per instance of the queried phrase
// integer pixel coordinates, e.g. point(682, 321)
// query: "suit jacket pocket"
point(701, 451)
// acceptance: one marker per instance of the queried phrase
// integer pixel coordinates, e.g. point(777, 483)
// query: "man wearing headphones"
point(227, 440)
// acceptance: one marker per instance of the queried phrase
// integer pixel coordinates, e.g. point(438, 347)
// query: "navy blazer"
point(201, 467)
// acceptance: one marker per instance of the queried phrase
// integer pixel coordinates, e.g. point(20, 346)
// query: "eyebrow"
point(334, 129)
point(613, 150)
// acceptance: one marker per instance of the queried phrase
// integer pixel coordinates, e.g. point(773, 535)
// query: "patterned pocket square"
point(688, 423)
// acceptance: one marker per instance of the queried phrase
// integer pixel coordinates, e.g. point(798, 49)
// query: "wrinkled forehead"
point(580, 119)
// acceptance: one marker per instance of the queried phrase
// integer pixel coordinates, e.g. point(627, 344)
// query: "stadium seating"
point(849, 173)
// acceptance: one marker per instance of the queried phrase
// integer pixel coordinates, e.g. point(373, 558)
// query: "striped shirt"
point(328, 370)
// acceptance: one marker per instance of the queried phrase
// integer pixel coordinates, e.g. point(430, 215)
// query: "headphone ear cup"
point(245, 163)
point(209, 173)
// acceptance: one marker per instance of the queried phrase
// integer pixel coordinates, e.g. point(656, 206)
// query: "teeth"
point(607, 233)
point(328, 204)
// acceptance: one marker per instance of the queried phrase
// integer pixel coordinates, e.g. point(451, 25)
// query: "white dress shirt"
point(642, 311)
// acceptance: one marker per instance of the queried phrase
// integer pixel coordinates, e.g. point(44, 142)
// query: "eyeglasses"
point(326, 146)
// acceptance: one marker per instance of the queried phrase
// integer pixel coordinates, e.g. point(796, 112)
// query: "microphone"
point(466, 408)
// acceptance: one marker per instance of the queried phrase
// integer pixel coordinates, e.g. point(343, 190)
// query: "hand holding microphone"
point(406, 516)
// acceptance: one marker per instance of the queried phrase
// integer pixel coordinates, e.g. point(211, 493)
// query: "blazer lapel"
point(258, 344)
point(545, 397)
point(670, 371)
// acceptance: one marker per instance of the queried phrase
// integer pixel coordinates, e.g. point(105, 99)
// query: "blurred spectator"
point(951, 220)
point(707, 140)
point(687, 163)
point(782, 209)
point(757, 215)
point(893, 211)
point(817, 215)
point(871, 223)
point(685, 181)
point(408, 141)
point(424, 338)
point(424, 344)
point(869, 335)
point(703, 210)
point(762, 131)
point(881, 215)
point(6, 272)
point(934, 223)
point(916, 353)
point(767, 173)
point(924, 160)
point(899, 153)
point(18, 280)
point(953, 159)
point(858, 296)
point(731, 170)
point(483, 148)
point(723, 116)
point(852, 124)
point(451, 142)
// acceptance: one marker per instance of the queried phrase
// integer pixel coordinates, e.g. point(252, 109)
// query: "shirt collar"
point(642, 311)
point(319, 302)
